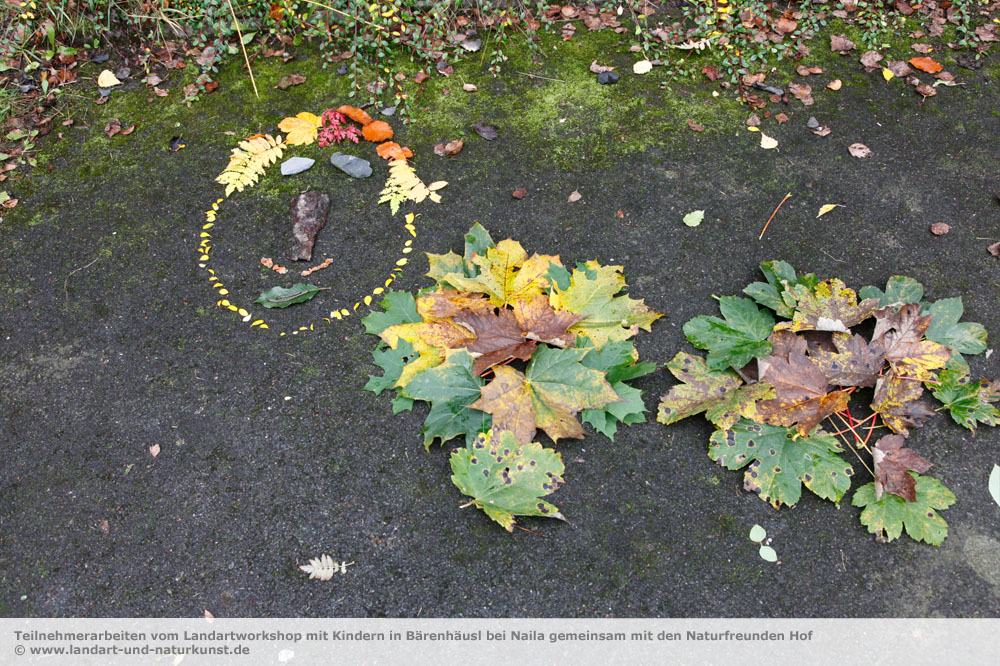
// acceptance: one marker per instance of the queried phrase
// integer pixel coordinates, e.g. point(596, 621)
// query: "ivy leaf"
point(780, 464)
point(892, 462)
point(506, 479)
point(854, 364)
point(607, 317)
point(630, 410)
point(964, 338)
point(829, 306)
point(281, 297)
point(775, 292)
point(451, 388)
point(400, 308)
point(898, 291)
point(554, 387)
point(735, 341)
point(967, 402)
point(890, 514)
point(720, 395)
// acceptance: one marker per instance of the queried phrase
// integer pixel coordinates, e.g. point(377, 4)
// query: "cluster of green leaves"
point(505, 344)
point(784, 360)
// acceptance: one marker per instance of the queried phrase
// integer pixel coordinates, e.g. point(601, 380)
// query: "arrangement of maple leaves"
point(457, 345)
point(770, 386)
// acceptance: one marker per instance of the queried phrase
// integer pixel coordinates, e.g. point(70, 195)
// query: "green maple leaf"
point(721, 395)
point(780, 463)
point(442, 265)
point(890, 514)
point(618, 360)
point(735, 341)
point(450, 388)
point(898, 291)
point(629, 411)
point(775, 292)
point(554, 387)
point(608, 317)
point(506, 479)
point(392, 362)
point(400, 308)
point(967, 402)
point(964, 338)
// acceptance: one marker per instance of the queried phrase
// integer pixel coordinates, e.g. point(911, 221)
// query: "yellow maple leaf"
point(301, 129)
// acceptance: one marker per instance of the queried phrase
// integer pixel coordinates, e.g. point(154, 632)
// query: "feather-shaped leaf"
point(249, 160)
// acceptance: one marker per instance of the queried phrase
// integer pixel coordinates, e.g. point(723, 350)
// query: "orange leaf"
point(390, 150)
point(377, 130)
point(926, 64)
point(355, 114)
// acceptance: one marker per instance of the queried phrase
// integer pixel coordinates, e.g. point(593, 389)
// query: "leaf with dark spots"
point(968, 402)
point(801, 397)
point(964, 338)
point(829, 306)
point(899, 290)
point(721, 395)
point(399, 307)
point(900, 337)
point(854, 364)
point(896, 401)
point(781, 463)
point(488, 132)
point(892, 462)
point(507, 479)
point(618, 360)
point(776, 292)
point(888, 516)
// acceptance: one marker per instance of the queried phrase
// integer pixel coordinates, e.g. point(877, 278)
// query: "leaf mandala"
point(248, 161)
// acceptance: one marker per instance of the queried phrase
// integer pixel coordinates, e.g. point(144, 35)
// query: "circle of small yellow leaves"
point(339, 313)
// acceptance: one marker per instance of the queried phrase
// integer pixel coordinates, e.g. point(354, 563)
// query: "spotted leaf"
point(898, 291)
point(829, 306)
point(721, 395)
point(780, 463)
point(507, 479)
point(776, 292)
point(968, 402)
point(888, 516)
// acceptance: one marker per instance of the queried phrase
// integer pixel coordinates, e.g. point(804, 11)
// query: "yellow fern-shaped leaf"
point(248, 161)
point(404, 185)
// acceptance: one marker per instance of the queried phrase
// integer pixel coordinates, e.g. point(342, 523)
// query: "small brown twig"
point(539, 76)
point(243, 46)
point(787, 197)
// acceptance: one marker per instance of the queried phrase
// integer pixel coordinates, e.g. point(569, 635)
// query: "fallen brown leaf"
point(291, 80)
point(860, 150)
point(574, 196)
point(806, 71)
point(160, 92)
point(519, 193)
point(781, 117)
point(597, 69)
point(447, 149)
point(994, 249)
point(695, 126)
point(113, 127)
point(870, 60)
point(154, 450)
point(802, 92)
point(469, 87)
point(822, 131)
point(420, 77)
point(840, 43)
point(922, 48)
point(127, 130)
point(940, 228)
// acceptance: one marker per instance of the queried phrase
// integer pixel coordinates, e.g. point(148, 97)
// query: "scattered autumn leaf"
point(355, 114)
point(940, 229)
point(767, 143)
point(519, 193)
point(128, 130)
point(892, 462)
point(695, 126)
point(448, 149)
point(925, 65)
point(107, 80)
point(377, 131)
point(597, 69)
point(781, 117)
point(870, 60)
point(887, 74)
point(390, 150)
point(826, 208)
point(840, 43)
point(154, 450)
point(300, 130)
point(860, 150)
point(925, 90)
point(802, 92)
point(113, 127)
point(420, 77)
point(922, 48)
point(994, 249)
point(488, 132)
point(899, 68)
point(803, 70)
point(160, 92)
point(836, 84)
point(469, 87)
point(574, 196)
point(642, 67)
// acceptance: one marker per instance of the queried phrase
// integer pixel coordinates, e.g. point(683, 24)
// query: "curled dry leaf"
point(469, 87)
point(420, 77)
point(940, 228)
point(695, 126)
point(925, 90)
point(574, 196)
point(781, 117)
point(840, 43)
point(642, 67)
point(994, 249)
point(822, 131)
point(520, 193)
point(377, 131)
point(923, 64)
point(900, 68)
point(107, 80)
point(860, 150)
point(870, 60)
point(597, 69)
point(922, 48)
point(806, 71)
point(128, 130)
point(153, 80)
point(802, 92)
point(160, 92)
point(836, 84)
point(448, 149)
point(113, 127)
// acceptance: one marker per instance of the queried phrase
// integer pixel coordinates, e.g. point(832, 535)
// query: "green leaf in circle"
point(780, 463)
point(721, 395)
point(392, 362)
point(735, 341)
point(898, 291)
point(450, 388)
point(775, 293)
point(281, 297)
point(506, 479)
point(964, 338)
point(887, 517)
point(400, 308)
point(968, 402)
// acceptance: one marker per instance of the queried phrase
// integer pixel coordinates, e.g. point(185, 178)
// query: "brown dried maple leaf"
point(800, 388)
point(899, 335)
point(892, 461)
point(897, 401)
point(854, 363)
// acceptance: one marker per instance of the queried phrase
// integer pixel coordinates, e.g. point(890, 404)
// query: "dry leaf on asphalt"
point(575, 196)
point(519, 193)
point(860, 150)
point(940, 228)
point(767, 143)
point(994, 249)
point(835, 84)
point(840, 43)
point(448, 149)
point(113, 127)
point(826, 208)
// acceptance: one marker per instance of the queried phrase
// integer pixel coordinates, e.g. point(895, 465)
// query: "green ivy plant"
point(784, 367)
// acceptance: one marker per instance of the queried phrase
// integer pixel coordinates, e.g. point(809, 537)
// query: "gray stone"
point(294, 165)
point(388, 111)
point(351, 165)
point(812, 123)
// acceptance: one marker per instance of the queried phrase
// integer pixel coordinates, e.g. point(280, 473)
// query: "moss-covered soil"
point(271, 453)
